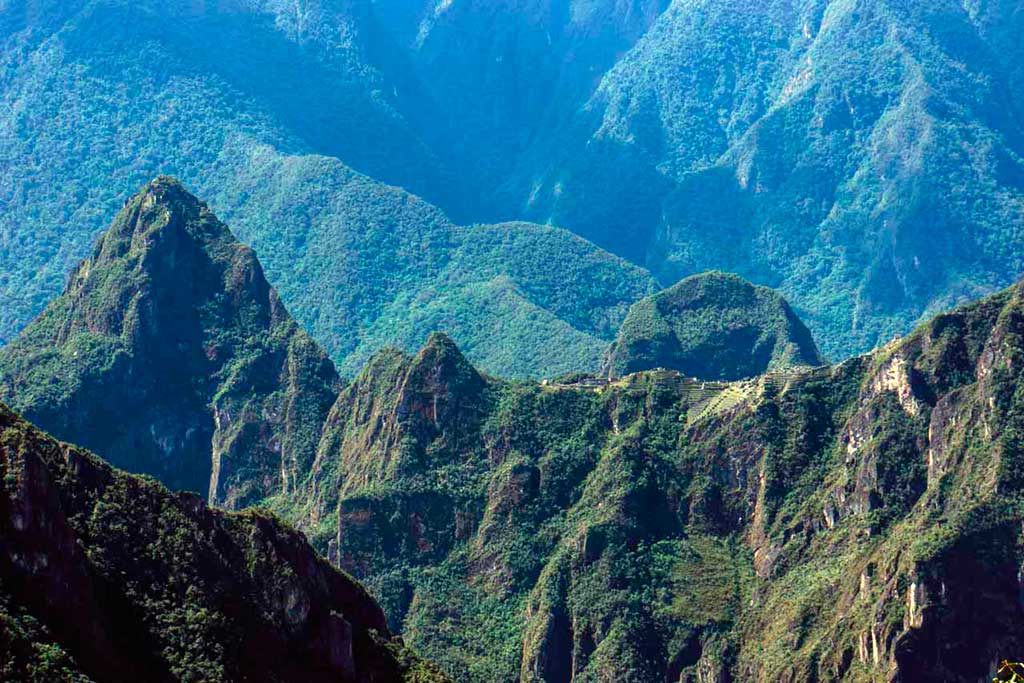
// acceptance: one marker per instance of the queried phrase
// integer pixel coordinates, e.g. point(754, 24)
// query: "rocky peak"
point(440, 391)
point(397, 402)
point(170, 354)
point(440, 369)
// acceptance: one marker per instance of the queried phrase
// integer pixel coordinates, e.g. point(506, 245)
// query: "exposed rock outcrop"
point(850, 523)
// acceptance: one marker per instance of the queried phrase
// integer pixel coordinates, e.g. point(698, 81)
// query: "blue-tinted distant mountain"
point(864, 158)
point(254, 106)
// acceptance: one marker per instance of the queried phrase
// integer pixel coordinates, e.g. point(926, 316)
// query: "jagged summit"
point(161, 204)
point(169, 354)
point(164, 252)
point(873, 507)
point(713, 326)
point(440, 340)
point(398, 405)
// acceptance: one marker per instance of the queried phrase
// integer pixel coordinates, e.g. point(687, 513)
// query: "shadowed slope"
point(110, 577)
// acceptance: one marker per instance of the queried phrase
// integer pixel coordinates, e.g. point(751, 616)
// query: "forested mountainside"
point(110, 577)
point(502, 77)
point(856, 522)
point(575, 530)
point(848, 521)
point(782, 520)
point(865, 158)
point(266, 114)
point(712, 326)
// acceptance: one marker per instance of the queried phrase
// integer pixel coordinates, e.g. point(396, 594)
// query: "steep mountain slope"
point(170, 355)
point(864, 157)
point(101, 95)
point(110, 577)
point(855, 523)
point(712, 326)
point(502, 77)
point(364, 266)
point(273, 115)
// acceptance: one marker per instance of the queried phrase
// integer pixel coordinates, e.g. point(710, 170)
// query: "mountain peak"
point(170, 194)
point(168, 345)
point(712, 325)
point(166, 184)
point(160, 216)
point(440, 366)
point(441, 347)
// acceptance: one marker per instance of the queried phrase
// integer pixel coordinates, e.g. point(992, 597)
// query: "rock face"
point(712, 326)
point(855, 522)
point(399, 408)
point(106, 576)
point(169, 354)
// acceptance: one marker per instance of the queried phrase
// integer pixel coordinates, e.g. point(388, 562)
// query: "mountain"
point(853, 521)
point(289, 122)
point(364, 266)
point(501, 78)
point(712, 326)
point(106, 576)
point(864, 160)
point(850, 522)
point(169, 354)
point(867, 159)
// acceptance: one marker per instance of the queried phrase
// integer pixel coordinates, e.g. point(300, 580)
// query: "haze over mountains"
point(109, 93)
point(865, 158)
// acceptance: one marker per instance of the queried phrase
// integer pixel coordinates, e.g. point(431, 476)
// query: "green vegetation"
point(170, 355)
point(294, 155)
point(854, 523)
point(605, 534)
point(712, 326)
point(628, 530)
point(108, 577)
point(867, 162)
point(28, 651)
